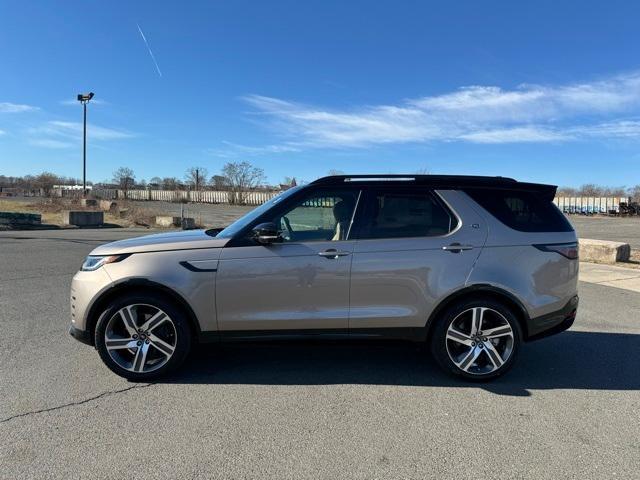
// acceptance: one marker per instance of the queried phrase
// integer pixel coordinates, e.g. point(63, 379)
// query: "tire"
point(480, 355)
point(147, 353)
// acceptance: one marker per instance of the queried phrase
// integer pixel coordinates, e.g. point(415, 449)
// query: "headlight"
point(94, 262)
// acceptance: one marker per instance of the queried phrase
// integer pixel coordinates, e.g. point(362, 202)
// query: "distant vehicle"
point(473, 266)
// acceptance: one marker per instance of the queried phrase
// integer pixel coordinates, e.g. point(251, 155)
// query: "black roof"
point(442, 181)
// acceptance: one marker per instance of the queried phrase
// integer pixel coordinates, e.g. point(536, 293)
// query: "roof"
point(441, 182)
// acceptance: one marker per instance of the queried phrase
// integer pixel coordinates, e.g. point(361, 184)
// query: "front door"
point(300, 283)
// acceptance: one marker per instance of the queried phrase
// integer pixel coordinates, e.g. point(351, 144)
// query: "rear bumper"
point(554, 322)
point(80, 335)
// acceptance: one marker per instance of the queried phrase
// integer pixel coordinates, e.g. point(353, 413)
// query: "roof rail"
point(421, 179)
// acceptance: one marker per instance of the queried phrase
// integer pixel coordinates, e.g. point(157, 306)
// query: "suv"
point(473, 266)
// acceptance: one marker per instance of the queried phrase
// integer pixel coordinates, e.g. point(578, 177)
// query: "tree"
point(634, 193)
point(219, 182)
point(196, 177)
point(566, 192)
point(124, 178)
point(155, 182)
point(333, 171)
point(241, 178)
point(170, 183)
point(590, 190)
point(45, 181)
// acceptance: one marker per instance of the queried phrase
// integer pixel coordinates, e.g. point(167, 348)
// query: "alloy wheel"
point(140, 338)
point(479, 340)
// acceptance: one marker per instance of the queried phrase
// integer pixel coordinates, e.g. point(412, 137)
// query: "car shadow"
point(571, 360)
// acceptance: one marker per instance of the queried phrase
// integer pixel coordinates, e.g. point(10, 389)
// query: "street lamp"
point(84, 98)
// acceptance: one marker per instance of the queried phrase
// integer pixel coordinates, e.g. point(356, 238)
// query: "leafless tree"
point(634, 193)
point(566, 192)
point(155, 182)
point(196, 177)
point(241, 177)
point(124, 178)
point(590, 190)
point(170, 183)
point(219, 182)
point(45, 182)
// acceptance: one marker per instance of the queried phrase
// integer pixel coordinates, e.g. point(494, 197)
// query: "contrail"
point(149, 48)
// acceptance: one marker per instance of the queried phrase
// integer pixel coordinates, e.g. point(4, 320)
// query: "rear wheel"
point(476, 339)
point(141, 337)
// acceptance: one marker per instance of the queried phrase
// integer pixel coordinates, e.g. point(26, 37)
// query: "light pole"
point(84, 98)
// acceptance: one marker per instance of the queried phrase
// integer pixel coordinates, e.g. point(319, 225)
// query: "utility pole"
point(84, 98)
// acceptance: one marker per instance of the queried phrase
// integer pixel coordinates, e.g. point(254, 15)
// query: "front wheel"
point(142, 336)
point(476, 339)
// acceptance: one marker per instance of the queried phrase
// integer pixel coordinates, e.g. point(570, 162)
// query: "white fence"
point(590, 205)
point(579, 205)
point(200, 196)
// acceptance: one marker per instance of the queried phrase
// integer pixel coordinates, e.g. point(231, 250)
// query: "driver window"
point(322, 216)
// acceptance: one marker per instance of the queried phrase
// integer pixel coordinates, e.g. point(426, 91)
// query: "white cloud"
point(73, 131)
point(61, 134)
point(50, 143)
point(480, 114)
point(232, 150)
point(74, 102)
point(6, 107)
point(517, 134)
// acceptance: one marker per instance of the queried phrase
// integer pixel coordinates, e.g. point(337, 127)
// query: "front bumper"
point(80, 335)
point(554, 322)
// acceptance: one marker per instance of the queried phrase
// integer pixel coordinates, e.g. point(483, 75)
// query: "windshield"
point(243, 221)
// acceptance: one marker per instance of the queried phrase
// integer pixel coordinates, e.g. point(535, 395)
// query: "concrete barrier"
point(19, 218)
point(603, 251)
point(186, 223)
point(82, 219)
point(108, 205)
point(88, 202)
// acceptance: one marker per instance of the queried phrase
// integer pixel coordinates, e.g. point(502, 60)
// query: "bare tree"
point(241, 178)
point(45, 182)
point(219, 182)
point(170, 183)
point(590, 190)
point(614, 191)
point(124, 178)
point(155, 182)
point(196, 177)
point(566, 192)
point(634, 193)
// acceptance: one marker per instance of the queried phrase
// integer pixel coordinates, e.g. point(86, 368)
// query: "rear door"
point(414, 247)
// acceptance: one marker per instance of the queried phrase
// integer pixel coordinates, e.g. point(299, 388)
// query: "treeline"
point(593, 190)
point(240, 176)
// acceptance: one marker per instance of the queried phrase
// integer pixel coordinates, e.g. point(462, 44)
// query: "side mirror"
point(267, 233)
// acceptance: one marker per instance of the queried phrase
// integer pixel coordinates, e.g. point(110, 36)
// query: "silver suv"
point(473, 266)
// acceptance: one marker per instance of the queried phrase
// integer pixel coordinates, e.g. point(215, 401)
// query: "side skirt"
point(409, 334)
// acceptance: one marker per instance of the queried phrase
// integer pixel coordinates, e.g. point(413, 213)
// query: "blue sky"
point(542, 91)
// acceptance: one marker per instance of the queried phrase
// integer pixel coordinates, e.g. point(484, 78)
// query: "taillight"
point(567, 250)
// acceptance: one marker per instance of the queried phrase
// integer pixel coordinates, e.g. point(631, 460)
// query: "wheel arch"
point(139, 285)
point(482, 291)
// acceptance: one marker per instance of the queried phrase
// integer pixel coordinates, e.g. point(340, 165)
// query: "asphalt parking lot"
point(570, 408)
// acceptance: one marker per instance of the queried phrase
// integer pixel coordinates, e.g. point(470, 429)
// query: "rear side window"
point(391, 213)
point(523, 211)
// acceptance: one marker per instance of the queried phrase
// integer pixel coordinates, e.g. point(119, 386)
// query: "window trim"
point(241, 239)
point(430, 192)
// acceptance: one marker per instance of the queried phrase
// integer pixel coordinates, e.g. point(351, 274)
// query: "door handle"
point(332, 253)
point(457, 247)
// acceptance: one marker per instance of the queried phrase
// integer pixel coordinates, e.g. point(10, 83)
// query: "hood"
point(183, 240)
